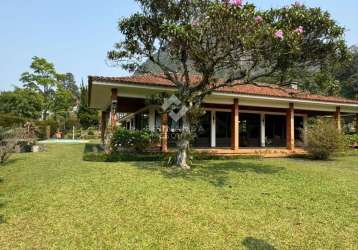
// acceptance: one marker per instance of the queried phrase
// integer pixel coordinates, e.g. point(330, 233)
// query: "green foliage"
point(57, 90)
point(133, 140)
point(323, 139)
point(87, 117)
point(212, 35)
point(41, 127)
point(62, 102)
point(9, 138)
point(43, 79)
point(352, 139)
point(69, 83)
point(11, 120)
point(24, 103)
point(347, 74)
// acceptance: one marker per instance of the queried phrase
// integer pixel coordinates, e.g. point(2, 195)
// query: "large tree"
point(211, 36)
point(69, 83)
point(63, 101)
point(348, 76)
point(24, 103)
point(59, 91)
point(43, 79)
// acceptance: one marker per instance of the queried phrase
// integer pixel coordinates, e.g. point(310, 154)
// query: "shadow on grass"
point(256, 244)
point(2, 203)
point(11, 162)
point(93, 148)
point(215, 173)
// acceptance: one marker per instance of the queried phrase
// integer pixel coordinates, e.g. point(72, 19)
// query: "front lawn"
point(56, 200)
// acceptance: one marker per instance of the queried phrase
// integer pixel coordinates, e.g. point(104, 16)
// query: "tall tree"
point(25, 103)
point(347, 74)
point(43, 79)
point(63, 101)
point(69, 83)
point(210, 36)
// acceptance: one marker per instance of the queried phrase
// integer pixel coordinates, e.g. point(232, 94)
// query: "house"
point(246, 118)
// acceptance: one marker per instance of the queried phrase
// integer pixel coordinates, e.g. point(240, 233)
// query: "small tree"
point(324, 139)
point(226, 43)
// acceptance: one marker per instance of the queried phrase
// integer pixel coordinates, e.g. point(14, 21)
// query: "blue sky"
point(76, 34)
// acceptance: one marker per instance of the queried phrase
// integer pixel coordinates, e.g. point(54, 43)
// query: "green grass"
point(54, 200)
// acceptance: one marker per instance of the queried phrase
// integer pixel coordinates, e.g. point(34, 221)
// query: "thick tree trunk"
point(183, 145)
point(182, 154)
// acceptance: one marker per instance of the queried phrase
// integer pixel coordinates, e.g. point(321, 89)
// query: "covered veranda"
point(234, 123)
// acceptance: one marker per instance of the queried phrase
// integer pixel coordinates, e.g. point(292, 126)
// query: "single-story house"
point(248, 118)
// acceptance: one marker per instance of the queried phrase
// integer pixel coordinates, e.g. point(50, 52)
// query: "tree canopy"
point(24, 103)
point(59, 91)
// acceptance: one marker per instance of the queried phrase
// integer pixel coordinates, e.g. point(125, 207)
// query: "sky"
point(75, 35)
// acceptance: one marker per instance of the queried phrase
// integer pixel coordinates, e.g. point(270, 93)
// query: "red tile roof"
point(257, 89)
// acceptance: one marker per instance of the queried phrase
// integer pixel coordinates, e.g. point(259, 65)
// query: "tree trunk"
point(182, 154)
point(183, 145)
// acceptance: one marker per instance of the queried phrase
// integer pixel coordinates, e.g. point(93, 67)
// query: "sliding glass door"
point(250, 132)
point(223, 129)
point(275, 130)
point(203, 135)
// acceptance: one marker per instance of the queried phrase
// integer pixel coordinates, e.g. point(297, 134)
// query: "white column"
point(263, 130)
point(213, 129)
point(305, 127)
point(151, 119)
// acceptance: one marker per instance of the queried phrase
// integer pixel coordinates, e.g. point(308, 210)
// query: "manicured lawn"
point(56, 200)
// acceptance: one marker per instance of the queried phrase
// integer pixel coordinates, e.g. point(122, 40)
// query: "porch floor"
point(265, 152)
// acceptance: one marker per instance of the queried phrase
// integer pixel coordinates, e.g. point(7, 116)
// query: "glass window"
point(142, 120)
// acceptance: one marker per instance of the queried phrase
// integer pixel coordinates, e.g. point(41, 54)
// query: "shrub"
point(90, 132)
point(9, 138)
point(324, 139)
point(133, 140)
point(352, 140)
point(41, 131)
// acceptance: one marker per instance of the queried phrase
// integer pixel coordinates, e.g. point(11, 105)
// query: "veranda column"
point(263, 130)
point(290, 130)
point(164, 132)
point(103, 125)
point(337, 118)
point(305, 129)
point(213, 128)
point(151, 119)
point(114, 107)
point(235, 125)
